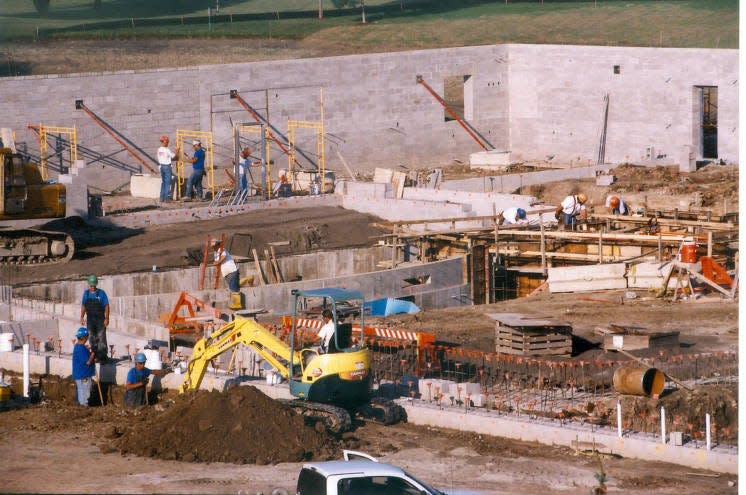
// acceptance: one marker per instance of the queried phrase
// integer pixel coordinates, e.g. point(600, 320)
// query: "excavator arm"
point(240, 331)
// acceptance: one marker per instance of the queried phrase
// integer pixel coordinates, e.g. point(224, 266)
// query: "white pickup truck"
point(361, 474)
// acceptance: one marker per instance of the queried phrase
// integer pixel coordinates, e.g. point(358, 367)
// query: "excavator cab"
point(341, 375)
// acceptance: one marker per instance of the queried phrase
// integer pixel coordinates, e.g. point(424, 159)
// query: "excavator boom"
point(240, 331)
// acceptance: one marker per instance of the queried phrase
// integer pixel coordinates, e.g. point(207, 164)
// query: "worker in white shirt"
point(616, 205)
point(326, 334)
point(570, 210)
point(513, 216)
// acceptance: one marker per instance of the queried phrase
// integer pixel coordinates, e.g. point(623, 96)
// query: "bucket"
point(152, 359)
point(639, 381)
point(236, 302)
point(688, 250)
point(6, 342)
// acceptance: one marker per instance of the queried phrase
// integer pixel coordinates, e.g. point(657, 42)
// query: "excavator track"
point(34, 247)
point(336, 419)
point(383, 411)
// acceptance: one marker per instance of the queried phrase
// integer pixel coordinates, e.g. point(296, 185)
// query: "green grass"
point(420, 24)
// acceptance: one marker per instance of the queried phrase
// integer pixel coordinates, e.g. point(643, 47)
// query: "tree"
point(351, 3)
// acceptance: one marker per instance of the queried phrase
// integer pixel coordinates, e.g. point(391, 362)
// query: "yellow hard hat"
point(582, 198)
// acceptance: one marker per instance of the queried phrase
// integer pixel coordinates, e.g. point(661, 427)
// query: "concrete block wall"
point(533, 100)
point(556, 101)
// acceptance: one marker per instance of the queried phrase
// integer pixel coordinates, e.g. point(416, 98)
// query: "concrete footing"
point(582, 437)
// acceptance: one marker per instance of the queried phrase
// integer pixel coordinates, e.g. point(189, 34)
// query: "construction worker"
point(326, 334)
point(616, 205)
point(83, 367)
point(165, 157)
point(229, 271)
point(137, 382)
point(194, 184)
point(244, 164)
point(94, 314)
point(513, 216)
point(570, 209)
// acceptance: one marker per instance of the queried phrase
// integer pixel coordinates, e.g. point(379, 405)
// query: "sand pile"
point(241, 425)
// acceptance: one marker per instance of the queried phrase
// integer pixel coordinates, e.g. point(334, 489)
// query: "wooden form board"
point(523, 335)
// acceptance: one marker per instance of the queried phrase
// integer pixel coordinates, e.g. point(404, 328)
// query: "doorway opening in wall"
point(457, 93)
point(708, 104)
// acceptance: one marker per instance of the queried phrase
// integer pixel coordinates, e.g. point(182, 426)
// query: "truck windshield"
point(425, 485)
point(310, 483)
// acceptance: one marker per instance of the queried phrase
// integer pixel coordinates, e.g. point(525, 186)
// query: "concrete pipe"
point(639, 381)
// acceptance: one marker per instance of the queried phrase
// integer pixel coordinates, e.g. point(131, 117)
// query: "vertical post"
point(660, 246)
point(707, 431)
point(26, 370)
point(600, 247)
point(709, 243)
point(494, 219)
point(543, 247)
point(619, 418)
point(663, 425)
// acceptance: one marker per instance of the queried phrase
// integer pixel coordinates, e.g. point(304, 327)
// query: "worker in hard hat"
point(244, 166)
point(83, 367)
point(136, 386)
point(570, 210)
point(94, 314)
point(616, 205)
point(165, 157)
point(512, 216)
point(229, 271)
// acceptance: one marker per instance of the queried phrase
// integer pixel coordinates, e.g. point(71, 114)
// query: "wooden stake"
point(258, 266)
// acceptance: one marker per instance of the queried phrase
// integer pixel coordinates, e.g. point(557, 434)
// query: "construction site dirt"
point(171, 447)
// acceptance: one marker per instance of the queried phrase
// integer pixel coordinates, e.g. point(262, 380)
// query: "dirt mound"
point(241, 426)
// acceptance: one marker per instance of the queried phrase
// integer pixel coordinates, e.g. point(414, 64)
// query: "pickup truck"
point(360, 474)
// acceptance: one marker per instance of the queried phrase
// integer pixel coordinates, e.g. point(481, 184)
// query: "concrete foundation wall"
point(557, 101)
point(533, 100)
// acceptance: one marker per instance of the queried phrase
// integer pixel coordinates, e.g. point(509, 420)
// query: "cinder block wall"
point(535, 100)
point(557, 101)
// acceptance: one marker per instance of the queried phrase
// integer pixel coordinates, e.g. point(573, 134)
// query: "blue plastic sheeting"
point(388, 306)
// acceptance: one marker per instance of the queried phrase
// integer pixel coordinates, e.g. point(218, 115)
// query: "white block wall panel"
point(649, 275)
point(586, 278)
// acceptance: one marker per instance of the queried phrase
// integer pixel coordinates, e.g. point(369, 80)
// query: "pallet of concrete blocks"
point(431, 388)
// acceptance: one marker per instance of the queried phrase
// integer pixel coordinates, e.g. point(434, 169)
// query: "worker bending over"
point(513, 216)
point(137, 382)
point(616, 205)
point(570, 210)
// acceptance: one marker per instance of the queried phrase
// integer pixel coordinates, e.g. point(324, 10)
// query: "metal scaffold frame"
point(183, 141)
point(44, 131)
point(318, 126)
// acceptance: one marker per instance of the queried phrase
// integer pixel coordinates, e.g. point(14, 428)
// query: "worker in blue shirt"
point(83, 367)
point(198, 171)
point(137, 382)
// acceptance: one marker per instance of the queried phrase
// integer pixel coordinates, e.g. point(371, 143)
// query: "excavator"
point(24, 195)
point(326, 386)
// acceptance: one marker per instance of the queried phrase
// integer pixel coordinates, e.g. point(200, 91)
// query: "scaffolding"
point(317, 126)
point(57, 132)
point(183, 138)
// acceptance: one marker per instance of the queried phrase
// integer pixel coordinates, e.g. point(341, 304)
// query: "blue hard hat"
point(521, 213)
point(82, 332)
point(140, 357)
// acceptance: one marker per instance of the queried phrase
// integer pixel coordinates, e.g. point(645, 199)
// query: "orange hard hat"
point(164, 138)
point(614, 202)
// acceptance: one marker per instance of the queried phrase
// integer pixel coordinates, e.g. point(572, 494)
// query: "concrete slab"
point(492, 159)
point(145, 186)
point(585, 278)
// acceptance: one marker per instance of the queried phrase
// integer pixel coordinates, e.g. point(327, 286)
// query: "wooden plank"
point(276, 265)
point(270, 267)
point(258, 266)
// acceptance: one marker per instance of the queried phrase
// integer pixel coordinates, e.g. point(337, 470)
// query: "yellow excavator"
point(24, 195)
point(327, 386)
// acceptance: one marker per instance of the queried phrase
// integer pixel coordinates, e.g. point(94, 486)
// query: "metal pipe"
point(450, 111)
point(26, 370)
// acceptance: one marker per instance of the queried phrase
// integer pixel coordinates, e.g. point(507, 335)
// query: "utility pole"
point(362, 4)
point(321, 9)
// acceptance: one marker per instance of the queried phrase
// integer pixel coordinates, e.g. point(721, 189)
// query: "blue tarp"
point(389, 306)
